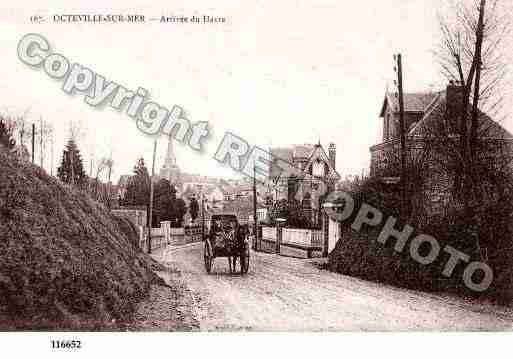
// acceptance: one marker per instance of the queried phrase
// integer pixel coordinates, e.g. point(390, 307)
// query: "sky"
point(276, 73)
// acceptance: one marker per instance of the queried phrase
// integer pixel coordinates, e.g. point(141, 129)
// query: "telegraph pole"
point(255, 226)
point(109, 184)
point(72, 164)
point(51, 155)
point(202, 216)
point(151, 196)
point(402, 130)
point(22, 131)
point(33, 141)
point(41, 141)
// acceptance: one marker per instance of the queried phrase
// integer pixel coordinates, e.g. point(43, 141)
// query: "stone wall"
point(136, 216)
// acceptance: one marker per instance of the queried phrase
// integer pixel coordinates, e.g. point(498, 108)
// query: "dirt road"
point(289, 294)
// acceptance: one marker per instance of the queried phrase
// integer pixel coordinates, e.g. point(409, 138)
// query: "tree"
point(471, 54)
point(22, 128)
point(279, 209)
point(71, 169)
point(104, 165)
point(77, 130)
point(6, 139)
point(194, 208)
point(17, 126)
point(99, 190)
point(293, 211)
point(43, 137)
point(163, 202)
point(138, 189)
point(179, 210)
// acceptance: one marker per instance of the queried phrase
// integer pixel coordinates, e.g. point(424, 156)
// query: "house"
point(314, 164)
point(262, 212)
point(184, 182)
point(242, 208)
point(229, 193)
point(243, 191)
point(429, 117)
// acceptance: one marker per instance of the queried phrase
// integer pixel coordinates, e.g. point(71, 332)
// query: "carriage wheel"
point(207, 255)
point(244, 259)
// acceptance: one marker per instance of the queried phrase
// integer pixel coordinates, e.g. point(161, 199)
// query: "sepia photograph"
point(265, 172)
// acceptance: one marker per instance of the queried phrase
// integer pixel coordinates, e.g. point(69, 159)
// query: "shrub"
point(486, 236)
point(67, 263)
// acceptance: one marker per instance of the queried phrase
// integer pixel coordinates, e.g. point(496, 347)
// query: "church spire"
point(170, 160)
point(170, 169)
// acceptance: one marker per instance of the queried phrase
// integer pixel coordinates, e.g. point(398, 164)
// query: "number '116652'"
point(66, 344)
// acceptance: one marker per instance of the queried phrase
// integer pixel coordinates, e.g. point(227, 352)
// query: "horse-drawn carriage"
point(227, 238)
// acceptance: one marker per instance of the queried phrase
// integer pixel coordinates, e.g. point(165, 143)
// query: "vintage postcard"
point(261, 166)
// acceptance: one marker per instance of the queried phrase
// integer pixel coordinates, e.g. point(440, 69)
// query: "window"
point(318, 169)
point(387, 127)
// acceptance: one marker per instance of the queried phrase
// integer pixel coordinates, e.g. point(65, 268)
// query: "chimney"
point(332, 154)
point(454, 98)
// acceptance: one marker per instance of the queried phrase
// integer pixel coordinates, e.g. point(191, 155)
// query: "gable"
point(413, 102)
point(320, 155)
point(306, 152)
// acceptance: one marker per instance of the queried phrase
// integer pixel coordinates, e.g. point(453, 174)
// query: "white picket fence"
point(166, 235)
point(295, 236)
point(302, 237)
point(269, 233)
point(177, 231)
point(158, 232)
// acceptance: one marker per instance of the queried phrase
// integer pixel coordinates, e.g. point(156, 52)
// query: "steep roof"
point(435, 113)
point(302, 151)
point(413, 102)
point(294, 152)
point(288, 154)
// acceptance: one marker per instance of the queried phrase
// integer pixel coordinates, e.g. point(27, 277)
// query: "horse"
point(241, 234)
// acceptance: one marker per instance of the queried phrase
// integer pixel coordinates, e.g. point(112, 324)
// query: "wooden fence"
point(269, 233)
point(302, 237)
point(294, 242)
point(158, 238)
point(165, 235)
